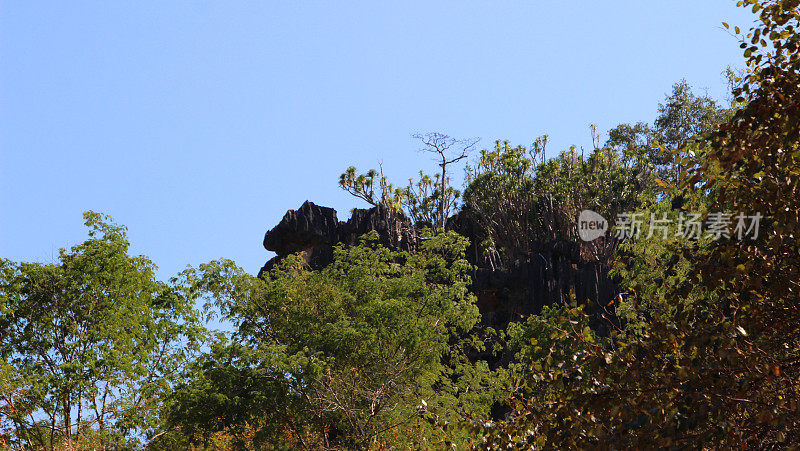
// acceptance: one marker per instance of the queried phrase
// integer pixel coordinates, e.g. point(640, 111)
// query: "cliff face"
point(546, 277)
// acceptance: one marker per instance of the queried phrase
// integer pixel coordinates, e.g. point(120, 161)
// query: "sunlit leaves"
point(351, 348)
point(94, 341)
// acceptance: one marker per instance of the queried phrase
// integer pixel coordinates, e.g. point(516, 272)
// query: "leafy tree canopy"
point(89, 343)
point(366, 351)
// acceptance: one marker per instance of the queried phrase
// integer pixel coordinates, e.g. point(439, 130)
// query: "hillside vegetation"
point(415, 344)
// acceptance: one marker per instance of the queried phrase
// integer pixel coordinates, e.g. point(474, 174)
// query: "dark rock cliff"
point(546, 277)
point(314, 230)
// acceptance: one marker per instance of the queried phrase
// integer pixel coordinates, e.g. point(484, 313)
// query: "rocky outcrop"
point(395, 231)
point(315, 230)
point(305, 228)
point(547, 276)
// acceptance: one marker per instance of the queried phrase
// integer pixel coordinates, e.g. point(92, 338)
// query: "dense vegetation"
point(386, 349)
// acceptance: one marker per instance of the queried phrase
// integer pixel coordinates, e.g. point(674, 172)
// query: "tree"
point(518, 198)
point(353, 355)
point(684, 115)
point(446, 151)
point(428, 201)
point(683, 119)
point(89, 344)
point(502, 196)
point(626, 137)
point(363, 187)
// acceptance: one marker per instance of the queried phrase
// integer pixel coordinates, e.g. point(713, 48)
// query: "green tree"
point(428, 201)
point(684, 115)
point(626, 137)
point(517, 197)
point(446, 151)
point(363, 187)
point(684, 121)
point(365, 352)
point(89, 344)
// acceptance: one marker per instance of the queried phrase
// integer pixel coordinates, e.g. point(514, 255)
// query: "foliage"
point(684, 116)
point(519, 198)
point(350, 356)
point(90, 344)
point(428, 197)
point(684, 120)
point(446, 151)
point(428, 201)
point(542, 344)
point(540, 341)
point(363, 187)
point(384, 349)
point(719, 371)
point(647, 268)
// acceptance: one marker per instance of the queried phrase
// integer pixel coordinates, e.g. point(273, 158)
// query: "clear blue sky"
point(198, 124)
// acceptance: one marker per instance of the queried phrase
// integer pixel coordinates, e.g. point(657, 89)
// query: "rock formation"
point(314, 230)
point(546, 277)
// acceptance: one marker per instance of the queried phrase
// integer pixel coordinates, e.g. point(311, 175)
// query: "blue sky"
point(198, 124)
